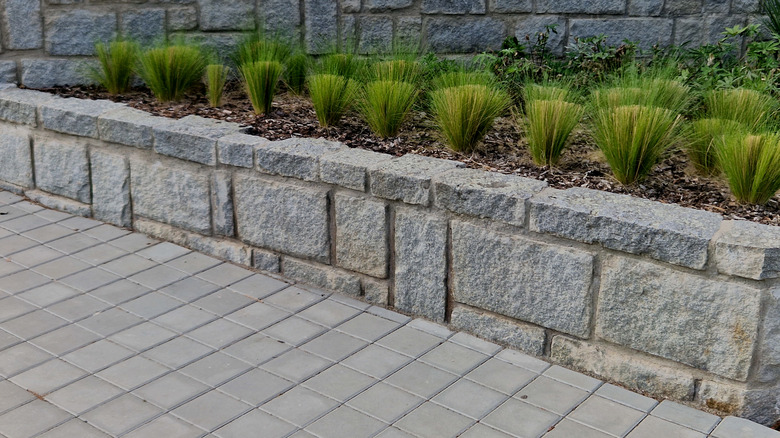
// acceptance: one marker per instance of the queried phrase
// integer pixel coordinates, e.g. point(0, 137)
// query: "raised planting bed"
point(671, 301)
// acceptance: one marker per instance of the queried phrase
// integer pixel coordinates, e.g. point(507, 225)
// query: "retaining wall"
point(47, 42)
point(671, 301)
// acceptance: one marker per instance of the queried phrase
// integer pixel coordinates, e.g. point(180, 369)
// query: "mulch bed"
point(673, 181)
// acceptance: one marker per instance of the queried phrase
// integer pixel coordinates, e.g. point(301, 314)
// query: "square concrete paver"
point(686, 416)
point(421, 379)
point(224, 274)
point(334, 345)
point(552, 395)
point(31, 419)
point(447, 423)
point(607, 416)
point(178, 352)
point(345, 421)
point(256, 423)
point(385, 402)
point(653, 427)
point(13, 396)
point(215, 369)
point(48, 376)
point(340, 383)
point(296, 365)
point(84, 395)
point(122, 414)
point(166, 426)
point(211, 410)
point(133, 372)
point(470, 399)
point(519, 418)
point(74, 428)
point(501, 376)
point(257, 349)
point(256, 387)
point(300, 406)
point(96, 356)
point(171, 390)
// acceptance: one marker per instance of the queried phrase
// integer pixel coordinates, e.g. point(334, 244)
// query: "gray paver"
point(31, 419)
point(48, 294)
point(256, 423)
point(607, 416)
point(501, 376)
point(178, 352)
point(78, 308)
point(171, 390)
point(166, 426)
point(385, 402)
point(84, 395)
point(133, 372)
point(65, 339)
point(257, 349)
point(189, 289)
point(339, 382)
point(74, 428)
point(626, 397)
point(685, 416)
point(567, 428)
point(300, 406)
point(256, 387)
point(447, 424)
point(519, 418)
point(13, 396)
point(345, 421)
point(552, 395)
point(61, 268)
point(734, 426)
point(421, 379)
point(470, 399)
point(296, 365)
point(99, 355)
point(215, 369)
point(122, 414)
point(653, 427)
point(48, 376)
point(334, 345)
point(211, 410)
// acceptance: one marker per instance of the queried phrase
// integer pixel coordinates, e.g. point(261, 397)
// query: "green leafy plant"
point(751, 164)
point(705, 134)
point(771, 10)
point(116, 63)
point(297, 68)
point(216, 78)
point(749, 107)
point(171, 70)
point(261, 79)
point(548, 125)
point(385, 104)
point(332, 95)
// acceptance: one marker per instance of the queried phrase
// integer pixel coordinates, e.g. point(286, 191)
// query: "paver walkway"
point(108, 333)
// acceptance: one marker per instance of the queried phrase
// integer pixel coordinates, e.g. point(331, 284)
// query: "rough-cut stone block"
point(350, 6)
point(745, 7)
point(21, 106)
point(544, 284)
point(222, 203)
point(707, 324)
point(648, 32)
point(634, 371)
point(146, 26)
point(717, 24)
point(222, 44)
point(759, 405)
point(288, 218)
point(349, 167)
point(321, 276)
point(711, 6)
point(645, 8)
point(58, 203)
point(16, 165)
point(453, 7)
point(769, 346)
point(688, 31)
point(227, 14)
point(62, 168)
point(239, 149)
point(75, 116)
point(22, 24)
point(361, 235)
point(524, 337)
point(266, 260)
point(111, 188)
point(182, 18)
point(464, 34)
point(321, 22)
point(408, 31)
point(420, 263)
point(8, 71)
point(376, 34)
point(594, 7)
point(511, 6)
point(171, 194)
point(376, 292)
point(295, 157)
point(75, 32)
point(129, 126)
point(748, 249)
point(282, 17)
point(386, 5)
point(189, 140)
point(408, 178)
point(686, 7)
point(485, 194)
point(665, 232)
point(531, 25)
point(45, 73)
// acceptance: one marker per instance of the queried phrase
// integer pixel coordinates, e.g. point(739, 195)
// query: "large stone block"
point(266, 260)
point(227, 14)
point(386, 5)
point(688, 31)
point(760, 405)
point(544, 284)
point(146, 26)
point(111, 188)
point(421, 263)
point(746, 7)
point(645, 8)
point(408, 178)
point(16, 165)
point(21, 106)
point(688, 7)
point(75, 32)
point(707, 324)
point(485, 194)
point(182, 18)
point(75, 116)
point(349, 167)
point(194, 139)
point(524, 337)
point(321, 21)
point(512, 6)
point(222, 203)
point(454, 7)
point(294, 157)
point(287, 218)
point(593, 7)
point(376, 34)
point(129, 126)
point(282, 17)
point(239, 149)
point(45, 73)
point(769, 346)
point(222, 44)
point(321, 276)
point(464, 34)
point(22, 24)
point(8, 71)
point(648, 32)
point(62, 167)
point(532, 25)
point(665, 232)
point(361, 235)
point(748, 249)
point(174, 195)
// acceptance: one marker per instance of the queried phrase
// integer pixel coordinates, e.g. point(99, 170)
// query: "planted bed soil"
point(673, 181)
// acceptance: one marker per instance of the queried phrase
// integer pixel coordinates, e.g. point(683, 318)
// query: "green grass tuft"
point(297, 68)
point(705, 134)
point(332, 95)
point(548, 126)
point(385, 104)
point(458, 78)
point(341, 64)
point(116, 63)
point(533, 92)
point(754, 109)
point(172, 70)
point(261, 79)
point(398, 70)
point(216, 78)
point(751, 164)
point(258, 47)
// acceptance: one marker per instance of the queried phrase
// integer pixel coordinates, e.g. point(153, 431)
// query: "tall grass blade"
point(261, 79)
point(340, 64)
point(171, 71)
point(116, 63)
point(704, 135)
point(216, 78)
point(397, 70)
point(548, 126)
point(386, 104)
point(751, 164)
point(459, 78)
point(465, 113)
point(753, 109)
point(297, 68)
point(332, 96)
point(259, 47)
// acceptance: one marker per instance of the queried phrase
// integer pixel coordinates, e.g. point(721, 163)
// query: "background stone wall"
point(44, 42)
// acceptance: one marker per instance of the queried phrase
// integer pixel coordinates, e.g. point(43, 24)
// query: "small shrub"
point(386, 104)
point(633, 138)
point(751, 164)
point(170, 71)
point(332, 96)
point(216, 77)
point(704, 135)
point(548, 125)
point(116, 63)
point(751, 108)
point(297, 68)
point(261, 80)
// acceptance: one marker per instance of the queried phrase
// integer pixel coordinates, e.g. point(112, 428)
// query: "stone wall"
point(46, 42)
point(671, 301)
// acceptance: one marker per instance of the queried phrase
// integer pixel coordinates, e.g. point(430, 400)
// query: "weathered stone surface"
point(129, 126)
point(376, 291)
point(295, 157)
point(769, 346)
point(350, 6)
point(239, 149)
point(745, 6)
point(760, 405)
point(288, 218)
point(182, 18)
point(747, 249)
point(349, 31)
point(420, 263)
point(8, 71)
point(688, 30)
point(408, 31)
point(172, 195)
point(524, 337)
point(220, 43)
point(15, 156)
point(408, 178)
point(266, 260)
point(715, 26)
point(321, 276)
point(485, 194)
point(532, 25)
point(282, 17)
point(634, 371)
point(62, 168)
point(59, 203)
point(685, 7)
point(464, 34)
point(111, 188)
point(376, 34)
point(600, 7)
point(646, 31)
point(146, 26)
point(222, 203)
point(75, 116)
point(321, 22)
point(644, 8)
point(511, 6)
point(227, 14)
point(44, 73)
point(191, 140)
point(453, 6)
point(707, 324)
point(349, 167)
point(361, 235)
point(75, 32)
point(386, 5)
point(713, 6)
point(540, 283)
point(21, 106)
point(665, 232)
point(22, 24)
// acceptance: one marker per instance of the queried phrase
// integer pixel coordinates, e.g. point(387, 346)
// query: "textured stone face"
point(321, 24)
point(111, 188)
point(464, 35)
point(8, 71)
point(376, 34)
point(531, 25)
point(227, 14)
point(146, 26)
point(707, 324)
point(21, 106)
point(287, 218)
point(544, 284)
point(769, 349)
point(524, 337)
point(512, 6)
point(361, 235)
point(128, 126)
point(408, 178)
point(194, 140)
point(321, 276)
point(386, 5)
point(581, 7)
point(265, 260)
point(183, 18)
point(43, 73)
point(646, 7)
point(749, 250)
point(282, 16)
point(453, 7)
point(76, 32)
point(22, 23)
point(421, 265)
point(62, 168)
point(222, 201)
point(647, 31)
point(75, 116)
point(239, 149)
point(171, 195)
point(349, 167)
point(15, 156)
point(295, 157)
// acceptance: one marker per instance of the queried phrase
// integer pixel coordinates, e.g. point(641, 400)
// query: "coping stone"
point(408, 178)
point(129, 126)
point(21, 106)
point(239, 149)
point(350, 167)
point(749, 250)
point(191, 138)
point(294, 157)
point(75, 116)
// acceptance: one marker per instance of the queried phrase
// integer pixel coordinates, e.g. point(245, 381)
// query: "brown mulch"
point(673, 181)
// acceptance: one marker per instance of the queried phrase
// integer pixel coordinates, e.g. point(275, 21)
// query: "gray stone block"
point(22, 24)
point(222, 203)
point(75, 32)
point(146, 26)
point(646, 31)
point(714, 6)
point(239, 149)
point(420, 264)
point(350, 6)
point(221, 44)
point(524, 337)
point(688, 31)
point(464, 34)
point(769, 346)
point(62, 168)
point(531, 25)
point(748, 249)
point(408, 178)
point(182, 18)
point(171, 194)
point(485, 194)
point(129, 126)
point(58, 203)
point(16, 157)
point(349, 167)
point(511, 6)
point(361, 235)
point(282, 17)
point(288, 218)
point(386, 5)
point(8, 71)
point(684, 7)
point(111, 188)
point(75, 116)
point(45, 73)
point(192, 140)
point(376, 35)
point(295, 157)
point(665, 232)
point(21, 106)
point(408, 31)
point(376, 292)
point(544, 284)
point(704, 323)
point(594, 7)
point(645, 8)
point(715, 25)
point(227, 14)
point(453, 7)
point(266, 260)
point(745, 7)
point(321, 276)
point(321, 22)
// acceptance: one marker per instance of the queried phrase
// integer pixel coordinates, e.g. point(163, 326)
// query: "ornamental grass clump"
point(753, 109)
point(397, 70)
point(295, 72)
point(259, 47)
point(332, 95)
point(704, 136)
point(116, 64)
point(533, 92)
point(261, 79)
point(751, 164)
point(216, 78)
point(549, 123)
point(340, 64)
point(389, 95)
point(172, 70)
